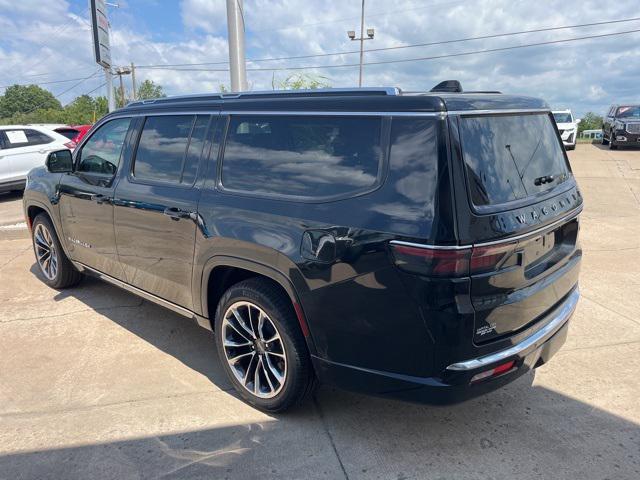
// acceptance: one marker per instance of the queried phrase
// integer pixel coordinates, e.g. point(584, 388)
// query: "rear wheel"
point(261, 346)
point(56, 269)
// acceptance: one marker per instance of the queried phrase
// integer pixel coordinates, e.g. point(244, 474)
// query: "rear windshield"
point(511, 157)
point(70, 133)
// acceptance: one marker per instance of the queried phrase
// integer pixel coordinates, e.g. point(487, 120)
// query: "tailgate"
point(535, 274)
point(520, 214)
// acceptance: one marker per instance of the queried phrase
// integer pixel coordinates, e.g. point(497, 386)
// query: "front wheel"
point(56, 268)
point(261, 346)
point(612, 145)
point(604, 140)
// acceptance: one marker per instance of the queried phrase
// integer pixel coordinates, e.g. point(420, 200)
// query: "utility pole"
point(133, 81)
point(352, 36)
point(111, 101)
point(235, 27)
point(120, 71)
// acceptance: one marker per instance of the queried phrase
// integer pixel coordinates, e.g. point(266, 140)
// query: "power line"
point(416, 59)
point(381, 49)
point(97, 88)
point(44, 83)
point(372, 15)
point(65, 91)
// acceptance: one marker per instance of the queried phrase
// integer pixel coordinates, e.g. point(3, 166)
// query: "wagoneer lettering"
point(406, 245)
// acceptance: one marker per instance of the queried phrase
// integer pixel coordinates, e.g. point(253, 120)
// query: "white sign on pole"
point(100, 28)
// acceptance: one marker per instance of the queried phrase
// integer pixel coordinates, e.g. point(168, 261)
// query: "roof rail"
point(273, 93)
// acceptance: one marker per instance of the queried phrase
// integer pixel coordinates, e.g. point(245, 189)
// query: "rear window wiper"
point(548, 179)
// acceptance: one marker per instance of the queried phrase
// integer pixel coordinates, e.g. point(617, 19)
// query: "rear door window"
point(302, 156)
point(34, 137)
point(511, 157)
point(169, 149)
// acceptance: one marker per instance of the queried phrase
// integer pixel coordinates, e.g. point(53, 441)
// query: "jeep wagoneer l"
point(422, 246)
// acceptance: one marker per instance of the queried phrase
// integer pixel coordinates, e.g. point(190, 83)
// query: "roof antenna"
point(449, 86)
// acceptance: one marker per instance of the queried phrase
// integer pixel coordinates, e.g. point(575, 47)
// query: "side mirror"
point(60, 161)
point(578, 120)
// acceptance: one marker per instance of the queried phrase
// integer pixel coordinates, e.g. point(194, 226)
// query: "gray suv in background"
point(621, 126)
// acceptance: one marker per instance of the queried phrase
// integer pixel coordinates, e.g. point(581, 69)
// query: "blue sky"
point(41, 45)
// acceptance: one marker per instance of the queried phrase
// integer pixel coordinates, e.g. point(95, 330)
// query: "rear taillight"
point(453, 261)
point(493, 257)
point(494, 372)
point(70, 145)
point(431, 261)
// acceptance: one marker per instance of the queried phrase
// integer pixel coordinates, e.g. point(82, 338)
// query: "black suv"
point(417, 245)
point(621, 126)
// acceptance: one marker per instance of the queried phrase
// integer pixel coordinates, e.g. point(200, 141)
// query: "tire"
point(612, 145)
point(604, 140)
point(285, 375)
point(54, 266)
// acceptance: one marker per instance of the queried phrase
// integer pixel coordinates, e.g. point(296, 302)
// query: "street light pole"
point(352, 36)
point(235, 27)
point(361, 44)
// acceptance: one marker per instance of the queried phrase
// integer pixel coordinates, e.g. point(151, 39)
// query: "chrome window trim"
point(559, 316)
point(499, 111)
point(326, 113)
point(570, 216)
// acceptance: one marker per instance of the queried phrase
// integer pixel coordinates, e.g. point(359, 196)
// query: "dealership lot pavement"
point(96, 383)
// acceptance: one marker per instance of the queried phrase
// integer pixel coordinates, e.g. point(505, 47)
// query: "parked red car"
point(74, 132)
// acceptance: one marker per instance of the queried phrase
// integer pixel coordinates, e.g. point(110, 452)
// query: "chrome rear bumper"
point(559, 316)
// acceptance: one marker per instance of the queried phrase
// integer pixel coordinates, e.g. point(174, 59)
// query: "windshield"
point(628, 112)
point(563, 117)
point(510, 157)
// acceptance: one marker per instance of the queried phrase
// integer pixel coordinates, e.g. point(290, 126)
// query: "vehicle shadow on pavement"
point(174, 334)
point(525, 433)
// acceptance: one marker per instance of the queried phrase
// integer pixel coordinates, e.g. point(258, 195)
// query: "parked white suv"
point(23, 147)
point(567, 126)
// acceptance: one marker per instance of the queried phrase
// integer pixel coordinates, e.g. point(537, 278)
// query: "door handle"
point(177, 213)
point(100, 199)
point(42, 151)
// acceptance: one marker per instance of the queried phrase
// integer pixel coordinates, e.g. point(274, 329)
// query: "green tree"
point(102, 107)
point(26, 99)
point(81, 110)
point(300, 81)
point(149, 89)
point(590, 121)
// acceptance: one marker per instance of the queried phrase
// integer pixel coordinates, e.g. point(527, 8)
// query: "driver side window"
point(101, 153)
